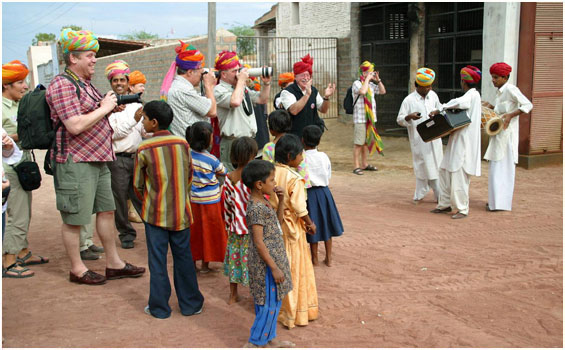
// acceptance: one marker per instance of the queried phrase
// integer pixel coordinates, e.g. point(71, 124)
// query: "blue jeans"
point(186, 285)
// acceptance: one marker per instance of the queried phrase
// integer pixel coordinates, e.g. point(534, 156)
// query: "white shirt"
point(464, 145)
point(508, 99)
point(12, 159)
point(319, 167)
point(187, 104)
point(288, 99)
point(359, 107)
point(233, 121)
point(426, 156)
point(127, 132)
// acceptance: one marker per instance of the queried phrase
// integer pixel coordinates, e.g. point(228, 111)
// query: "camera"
point(125, 99)
point(264, 72)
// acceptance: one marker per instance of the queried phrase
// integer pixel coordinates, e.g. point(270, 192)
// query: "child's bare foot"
point(233, 299)
point(328, 262)
point(280, 344)
point(315, 262)
point(251, 345)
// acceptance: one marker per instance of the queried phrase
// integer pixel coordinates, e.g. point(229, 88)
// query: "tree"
point(245, 46)
point(72, 26)
point(139, 35)
point(42, 37)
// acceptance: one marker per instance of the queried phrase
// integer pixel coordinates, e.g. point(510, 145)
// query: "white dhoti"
point(423, 186)
point(501, 174)
point(454, 190)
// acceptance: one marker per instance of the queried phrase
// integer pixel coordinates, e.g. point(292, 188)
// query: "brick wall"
point(317, 19)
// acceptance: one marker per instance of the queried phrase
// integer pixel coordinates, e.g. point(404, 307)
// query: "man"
point(262, 136)
point(137, 82)
point(16, 254)
point(81, 176)
point(128, 132)
point(285, 79)
point(235, 103)
point(366, 139)
point(502, 151)
point(426, 156)
point(188, 105)
point(462, 156)
point(302, 100)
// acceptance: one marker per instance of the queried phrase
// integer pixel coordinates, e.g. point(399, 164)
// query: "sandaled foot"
point(458, 215)
point(280, 344)
point(358, 171)
point(439, 211)
point(17, 271)
point(29, 259)
point(370, 167)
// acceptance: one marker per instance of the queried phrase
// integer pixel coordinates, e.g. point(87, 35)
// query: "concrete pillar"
point(501, 29)
point(211, 34)
point(417, 41)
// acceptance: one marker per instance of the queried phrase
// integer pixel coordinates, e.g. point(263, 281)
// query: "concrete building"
point(36, 56)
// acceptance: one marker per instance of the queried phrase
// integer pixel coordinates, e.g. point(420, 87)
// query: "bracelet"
point(325, 98)
point(380, 81)
point(267, 84)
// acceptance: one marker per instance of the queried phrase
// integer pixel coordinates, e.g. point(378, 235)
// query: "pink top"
point(235, 198)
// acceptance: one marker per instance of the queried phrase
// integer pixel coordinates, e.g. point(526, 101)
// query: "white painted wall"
point(37, 55)
point(317, 19)
point(501, 29)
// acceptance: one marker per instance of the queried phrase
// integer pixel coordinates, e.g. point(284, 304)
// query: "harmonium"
point(443, 124)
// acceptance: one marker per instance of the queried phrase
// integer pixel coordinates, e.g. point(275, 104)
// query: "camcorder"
point(126, 99)
point(264, 72)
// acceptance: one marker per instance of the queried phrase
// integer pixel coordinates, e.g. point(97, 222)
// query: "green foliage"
point(72, 26)
point(245, 46)
point(139, 35)
point(42, 37)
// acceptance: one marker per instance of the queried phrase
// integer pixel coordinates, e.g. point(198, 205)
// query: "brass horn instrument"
point(491, 121)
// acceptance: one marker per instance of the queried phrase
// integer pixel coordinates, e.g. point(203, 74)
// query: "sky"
point(22, 20)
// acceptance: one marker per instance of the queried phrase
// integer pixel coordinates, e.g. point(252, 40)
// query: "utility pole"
point(211, 34)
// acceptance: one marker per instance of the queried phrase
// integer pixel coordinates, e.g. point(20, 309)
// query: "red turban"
point(13, 71)
point(304, 65)
point(470, 74)
point(226, 60)
point(286, 78)
point(500, 69)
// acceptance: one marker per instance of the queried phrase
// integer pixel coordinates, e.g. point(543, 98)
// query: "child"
point(320, 202)
point(235, 196)
point(209, 238)
point(301, 304)
point(161, 181)
point(280, 123)
point(269, 272)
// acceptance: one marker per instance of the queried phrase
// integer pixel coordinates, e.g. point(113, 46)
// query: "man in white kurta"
point(462, 156)
point(426, 156)
point(502, 151)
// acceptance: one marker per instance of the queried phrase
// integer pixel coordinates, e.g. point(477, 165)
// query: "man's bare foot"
point(328, 262)
point(280, 344)
point(233, 299)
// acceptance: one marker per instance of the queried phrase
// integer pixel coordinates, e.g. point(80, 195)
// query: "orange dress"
point(301, 304)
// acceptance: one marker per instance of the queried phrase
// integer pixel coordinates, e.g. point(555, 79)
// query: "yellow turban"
point(115, 68)
point(425, 76)
point(136, 77)
point(82, 40)
point(14, 71)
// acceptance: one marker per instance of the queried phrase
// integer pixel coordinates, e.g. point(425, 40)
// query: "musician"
point(426, 156)
point(502, 151)
point(462, 157)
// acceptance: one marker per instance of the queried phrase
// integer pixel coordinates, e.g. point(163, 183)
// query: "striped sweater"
point(205, 185)
point(162, 179)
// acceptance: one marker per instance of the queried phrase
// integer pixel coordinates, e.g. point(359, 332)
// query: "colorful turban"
point(14, 71)
point(501, 69)
point(470, 74)
point(226, 60)
point(256, 85)
point(286, 78)
point(136, 77)
point(115, 68)
point(425, 76)
point(188, 57)
point(366, 66)
point(304, 65)
point(82, 40)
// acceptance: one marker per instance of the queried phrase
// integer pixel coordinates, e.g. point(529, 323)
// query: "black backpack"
point(348, 101)
point(35, 127)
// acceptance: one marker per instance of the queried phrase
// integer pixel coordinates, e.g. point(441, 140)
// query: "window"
point(295, 13)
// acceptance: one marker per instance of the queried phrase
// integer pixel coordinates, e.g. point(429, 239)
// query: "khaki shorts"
point(82, 189)
point(359, 134)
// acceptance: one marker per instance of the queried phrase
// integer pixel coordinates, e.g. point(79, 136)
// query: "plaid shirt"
point(359, 108)
point(92, 145)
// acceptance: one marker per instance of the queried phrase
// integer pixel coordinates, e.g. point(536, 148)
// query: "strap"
point(247, 105)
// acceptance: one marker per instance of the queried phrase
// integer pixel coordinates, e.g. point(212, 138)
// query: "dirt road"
point(402, 277)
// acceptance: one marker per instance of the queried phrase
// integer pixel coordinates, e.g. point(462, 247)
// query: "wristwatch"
point(325, 98)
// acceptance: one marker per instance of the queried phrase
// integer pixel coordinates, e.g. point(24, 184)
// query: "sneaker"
point(88, 254)
point(96, 249)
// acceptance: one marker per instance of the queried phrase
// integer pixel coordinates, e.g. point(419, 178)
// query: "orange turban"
point(14, 71)
point(304, 65)
point(286, 78)
point(136, 77)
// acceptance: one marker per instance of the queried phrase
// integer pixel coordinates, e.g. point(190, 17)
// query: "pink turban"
point(115, 68)
point(226, 60)
point(470, 74)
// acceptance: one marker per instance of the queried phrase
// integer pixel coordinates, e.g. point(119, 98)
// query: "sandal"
point(16, 273)
point(370, 167)
point(24, 261)
point(358, 171)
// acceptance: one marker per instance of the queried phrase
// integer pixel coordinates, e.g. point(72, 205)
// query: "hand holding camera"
point(375, 76)
point(209, 80)
point(109, 102)
point(242, 75)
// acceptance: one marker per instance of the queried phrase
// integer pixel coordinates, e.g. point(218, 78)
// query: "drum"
point(490, 121)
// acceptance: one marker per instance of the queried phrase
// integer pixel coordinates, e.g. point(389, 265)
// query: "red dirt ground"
point(402, 277)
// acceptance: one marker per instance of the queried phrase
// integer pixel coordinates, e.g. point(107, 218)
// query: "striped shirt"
point(205, 186)
point(235, 198)
point(162, 179)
